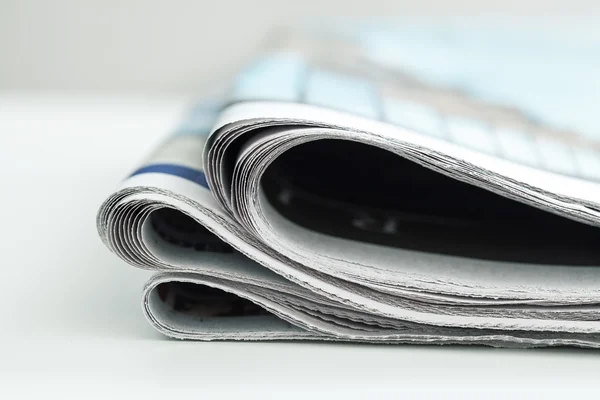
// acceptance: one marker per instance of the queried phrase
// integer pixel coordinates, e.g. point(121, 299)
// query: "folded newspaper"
point(383, 185)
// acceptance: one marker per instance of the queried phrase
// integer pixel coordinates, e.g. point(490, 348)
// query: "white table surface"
point(71, 318)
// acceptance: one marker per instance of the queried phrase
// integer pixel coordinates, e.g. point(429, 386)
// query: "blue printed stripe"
point(190, 174)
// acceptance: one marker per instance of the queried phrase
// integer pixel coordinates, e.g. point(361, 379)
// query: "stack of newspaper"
point(383, 185)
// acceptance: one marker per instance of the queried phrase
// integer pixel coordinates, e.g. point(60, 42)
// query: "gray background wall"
point(179, 46)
